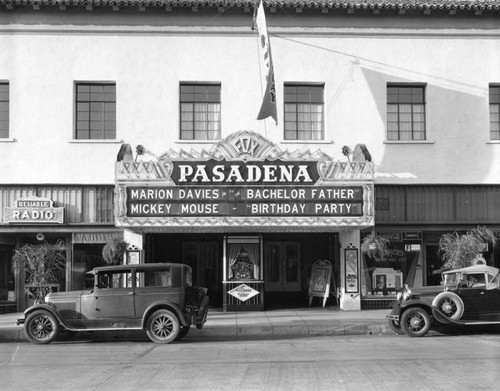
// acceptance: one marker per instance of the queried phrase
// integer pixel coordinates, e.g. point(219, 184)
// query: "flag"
point(268, 108)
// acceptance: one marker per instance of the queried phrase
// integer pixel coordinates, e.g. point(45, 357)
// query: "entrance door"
point(282, 265)
point(203, 257)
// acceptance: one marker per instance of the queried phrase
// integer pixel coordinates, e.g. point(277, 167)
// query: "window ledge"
point(8, 140)
point(493, 142)
point(197, 141)
point(409, 142)
point(306, 142)
point(96, 141)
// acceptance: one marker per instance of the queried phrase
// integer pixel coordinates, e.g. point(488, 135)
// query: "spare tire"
point(450, 304)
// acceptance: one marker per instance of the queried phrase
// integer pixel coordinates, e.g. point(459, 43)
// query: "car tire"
point(41, 327)
point(184, 332)
point(415, 322)
point(395, 326)
point(450, 304)
point(163, 327)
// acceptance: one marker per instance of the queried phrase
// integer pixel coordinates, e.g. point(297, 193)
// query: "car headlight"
point(399, 296)
point(406, 293)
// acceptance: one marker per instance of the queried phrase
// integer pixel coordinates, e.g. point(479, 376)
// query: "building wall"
point(147, 55)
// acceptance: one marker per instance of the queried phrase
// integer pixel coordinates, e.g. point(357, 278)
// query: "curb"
point(16, 334)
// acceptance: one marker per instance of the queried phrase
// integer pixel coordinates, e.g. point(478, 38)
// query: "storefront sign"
point(243, 292)
point(34, 210)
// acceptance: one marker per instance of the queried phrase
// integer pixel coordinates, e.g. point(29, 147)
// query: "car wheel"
point(184, 331)
point(450, 304)
point(41, 327)
point(415, 322)
point(395, 326)
point(163, 327)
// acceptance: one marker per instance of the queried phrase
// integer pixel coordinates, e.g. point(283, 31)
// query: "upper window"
point(304, 106)
point(4, 110)
point(95, 111)
point(405, 112)
point(494, 112)
point(200, 106)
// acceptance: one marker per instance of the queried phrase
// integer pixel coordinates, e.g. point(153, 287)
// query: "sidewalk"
point(314, 321)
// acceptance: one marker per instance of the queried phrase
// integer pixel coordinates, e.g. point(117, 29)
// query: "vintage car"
point(467, 296)
point(156, 297)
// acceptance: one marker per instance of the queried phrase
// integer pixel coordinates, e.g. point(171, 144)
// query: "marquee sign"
point(243, 181)
point(34, 210)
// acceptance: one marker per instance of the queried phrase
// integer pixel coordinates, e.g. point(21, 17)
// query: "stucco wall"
point(42, 61)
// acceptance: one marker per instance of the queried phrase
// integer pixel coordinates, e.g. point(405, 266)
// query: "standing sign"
point(319, 283)
point(351, 270)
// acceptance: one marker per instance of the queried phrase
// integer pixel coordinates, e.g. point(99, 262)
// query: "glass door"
point(282, 262)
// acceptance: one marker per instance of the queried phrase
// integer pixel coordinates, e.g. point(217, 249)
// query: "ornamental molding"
point(243, 146)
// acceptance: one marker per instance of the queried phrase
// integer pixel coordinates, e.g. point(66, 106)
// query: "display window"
point(382, 278)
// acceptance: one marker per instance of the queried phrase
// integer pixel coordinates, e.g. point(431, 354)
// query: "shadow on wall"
point(457, 130)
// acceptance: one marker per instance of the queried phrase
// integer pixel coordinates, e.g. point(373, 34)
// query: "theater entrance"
point(282, 276)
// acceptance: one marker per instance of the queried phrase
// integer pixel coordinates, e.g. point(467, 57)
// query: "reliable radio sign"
point(34, 210)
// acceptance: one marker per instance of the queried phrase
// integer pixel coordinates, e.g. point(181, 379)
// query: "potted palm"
point(44, 266)
point(460, 250)
point(113, 251)
point(376, 246)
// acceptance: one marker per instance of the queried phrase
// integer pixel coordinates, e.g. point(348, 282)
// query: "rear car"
point(156, 297)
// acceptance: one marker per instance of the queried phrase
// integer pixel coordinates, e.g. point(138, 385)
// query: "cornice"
point(475, 6)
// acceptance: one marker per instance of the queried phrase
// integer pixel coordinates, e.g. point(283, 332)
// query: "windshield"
point(450, 279)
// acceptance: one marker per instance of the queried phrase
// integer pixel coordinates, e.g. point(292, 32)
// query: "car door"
point(474, 296)
point(113, 296)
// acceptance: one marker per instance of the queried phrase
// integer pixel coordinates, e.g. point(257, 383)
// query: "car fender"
point(48, 308)
point(164, 305)
point(412, 304)
point(415, 303)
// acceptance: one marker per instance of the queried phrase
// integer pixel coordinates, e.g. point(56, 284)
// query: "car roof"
point(475, 269)
point(141, 265)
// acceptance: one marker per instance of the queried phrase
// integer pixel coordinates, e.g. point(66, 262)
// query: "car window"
point(473, 280)
point(114, 279)
point(89, 281)
point(146, 278)
point(189, 276)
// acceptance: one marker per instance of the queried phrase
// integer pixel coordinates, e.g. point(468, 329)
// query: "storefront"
point(250, 218)
point(79, 217)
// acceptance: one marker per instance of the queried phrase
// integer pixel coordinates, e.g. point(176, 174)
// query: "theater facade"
point(250, 218)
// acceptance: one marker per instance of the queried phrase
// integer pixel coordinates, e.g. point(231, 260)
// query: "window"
point(95, 111)
point(200, 111)
point(304, 107)
point(4, 110)
point(494, 112)
point(405, 112)
point(146, 278)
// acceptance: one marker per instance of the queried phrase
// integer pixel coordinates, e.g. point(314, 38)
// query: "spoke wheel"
point(41, 327)
point(163, 327)
point(415, 322)
point(395, 326)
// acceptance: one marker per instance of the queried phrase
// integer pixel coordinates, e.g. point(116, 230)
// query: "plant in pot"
point(113, 251)
point(376, 246)
point(43, 265)
point(461, 250)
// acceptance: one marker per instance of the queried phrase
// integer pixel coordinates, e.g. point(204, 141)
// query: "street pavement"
point(310, 321)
